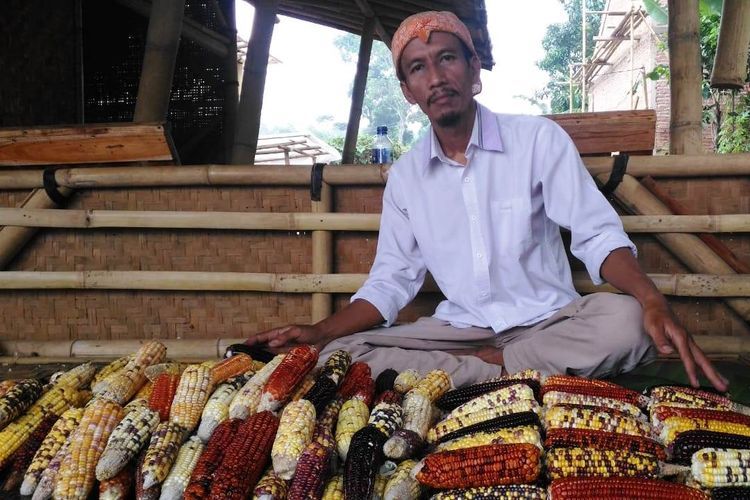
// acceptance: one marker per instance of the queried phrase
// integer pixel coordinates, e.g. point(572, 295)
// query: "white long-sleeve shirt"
point(489, 232)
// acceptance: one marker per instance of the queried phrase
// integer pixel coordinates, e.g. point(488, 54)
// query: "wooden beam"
point(253, 82)
point(162, 44)
point(358, 92)
point(368, 12)
point(686, 122)
point(609, 131)
point(730, 62)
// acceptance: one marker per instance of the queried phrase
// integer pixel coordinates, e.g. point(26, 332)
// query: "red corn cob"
point(200, 479)
point(22, 456)
point(389, 396)
point(660, 413)
point(603, 440)
point(355, 377)
point(246, 458)
point(230, 367)
point(165, 387)
point(580, 385)
point(574, 488)
point(290, 372)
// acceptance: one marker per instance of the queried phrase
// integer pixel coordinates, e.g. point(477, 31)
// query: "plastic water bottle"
point(382, 148)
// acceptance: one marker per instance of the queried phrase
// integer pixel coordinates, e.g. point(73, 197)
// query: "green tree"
point(562, 45)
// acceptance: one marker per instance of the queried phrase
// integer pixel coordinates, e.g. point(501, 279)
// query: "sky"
point(312, 80)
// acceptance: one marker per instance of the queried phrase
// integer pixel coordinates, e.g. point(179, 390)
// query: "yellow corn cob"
point(553, 398)
point(55, 440)
point(591, 462)
point(77, 470)
point(191, 396)
point(270, 487)
point(673, 426)
point(334, 489)
point(150, 353)
point(597, 419)
point(77, 377)
point(304, 386)
point(145, 391)
point(400, 485)
point(512, 435)
point(178, 478)
point(379, 487)
point(154, 371)
point(162, 452)
point(245, 403)
point(453, 423)
point(217, 406)
point(406, 380)
point(714, 468)
point(130, 435)
point(501, 397)
point(111, 368)
point(352, 417)
point(47, 481)
point(434, 384)
point(295, 433)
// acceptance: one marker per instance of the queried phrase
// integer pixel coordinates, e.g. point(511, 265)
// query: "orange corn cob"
point(200, 480)
point(290, 372)
point(165, 387)
point(231, 367)
point(23, 455)
point(355, 377)
point(246, 458)
point(575, 488)
point(589, 387)
point(487, 465)
point(603, 440)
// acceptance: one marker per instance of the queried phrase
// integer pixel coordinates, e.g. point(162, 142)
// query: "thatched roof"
point(349, 15)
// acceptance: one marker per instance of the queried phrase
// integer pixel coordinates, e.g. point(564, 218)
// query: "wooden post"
point(322, 257)
point(685, 67)
point(730, 62)
point(162, 43)
point(231, 83)
point(253, 82)
point(583, 56)
point(358, 92)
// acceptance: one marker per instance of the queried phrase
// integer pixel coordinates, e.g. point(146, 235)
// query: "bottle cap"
point(382, 129)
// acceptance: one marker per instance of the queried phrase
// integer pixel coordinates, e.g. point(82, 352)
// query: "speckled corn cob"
point(47, 481)
point(659, 413)
point(353, 416)
point(23, 455)
point(121, 386)
point(77, 474)
point(553, 398)
point(245, 403)
point(126, 441)
point(270, 487)
point(110, 368)
point(136, 404)
point(502, 397)
point(594, 488)
point(191, 396)
point(336, 366)
point(334, 489)
point(18, 399)
point(406, 380)
point(713, 467)
point(217, 406)
point(450, 424)
point(313, 466)
point(524, 418)
point(153, 371)
point(179, 475)
point(501, 492)
point(294, 434)
point(455, 398)
point(330, 415)
point(513, 435)
point(327, 382)
point(590, 462)
point(673, 426)
point(142, 493)
point(162, 452)
point(231, 367)
point(688, 442)
point(690, 398)
point(5, 386)
point(603, 440)
point(77, 377)
point(559, 417)
point(118, 487)
point(285, 378)
point(409, 440)
point(400, 485)
point(52, 443)
point(199, 484)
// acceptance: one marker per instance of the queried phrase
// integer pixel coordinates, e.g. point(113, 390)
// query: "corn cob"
point(554, 398)
point(524, 418)
point(322, 391)
point(150, 353)
point(692, 398)
point(400, 485)
point(387, 418)
point(23, 456)
point(330, 415)
point(730, 493)
point(5, 386)
point(384, 380)
point(162, 452)
point(353, 416)
point(328, 380)
point(285, 378)
point(47, 481)
point(488, 465)
point(77, 473)
point(660, 412)
point(153, 371)
point(136, 404)
point(313, 466)
point(295, 433)
point(142, 493)
point(336, 366)
point(191, 396)
point(594, 488)
point(246, 401)
point(118, 487)
point(145, 391)
point(589, 387)
point(506, 396)
point(362, 462)
point(378, 489)
point(18, 399)
point(513, 435)
point(559, 417)
point(452, 423)
point(77, 377)
point(717, 467)
point(52, 443)
point(673, 426)
point(110, 368)
point(500, 492)
point(590, 462)
point(200, 480)
point(357, 375)
point(390, 396)
point(270, 487)
point(217, 406)
point(304, 386)
point(160, 400)
point(126, 441)
point(246, 457)
point(334, 489)
point(122, 386)
point(688, 442)
point(179, 475)
point(231, 367)
point(406, 381)
point(455, 398)
point(603, 440)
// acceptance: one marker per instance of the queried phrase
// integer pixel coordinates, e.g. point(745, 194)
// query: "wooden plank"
point(609, 131)
point(97, 143)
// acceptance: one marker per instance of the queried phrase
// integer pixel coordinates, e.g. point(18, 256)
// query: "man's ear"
point(476, 69)
point(407, 93)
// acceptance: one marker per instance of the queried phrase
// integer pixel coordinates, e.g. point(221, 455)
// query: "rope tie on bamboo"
point(618, 172)
point(50, 187)
point(316, 181)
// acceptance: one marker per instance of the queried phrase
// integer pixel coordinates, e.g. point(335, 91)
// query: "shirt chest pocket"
point(511, 226)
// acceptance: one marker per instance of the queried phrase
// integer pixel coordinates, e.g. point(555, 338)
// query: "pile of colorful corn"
point(236, 429)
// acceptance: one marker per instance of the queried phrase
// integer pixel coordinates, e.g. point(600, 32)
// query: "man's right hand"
point(283, 338)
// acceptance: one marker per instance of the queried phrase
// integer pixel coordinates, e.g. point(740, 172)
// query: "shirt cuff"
point(385, 307)
point(600, 250)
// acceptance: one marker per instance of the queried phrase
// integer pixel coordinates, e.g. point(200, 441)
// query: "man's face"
point(438, 77)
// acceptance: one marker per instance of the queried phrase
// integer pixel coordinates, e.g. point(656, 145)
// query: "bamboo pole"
point(688, 248)
point(358, 91)
point(162, 43)
point(231, 82)
point(322, 257)
point(253, 82)
point(730, 62)
point(685, 78)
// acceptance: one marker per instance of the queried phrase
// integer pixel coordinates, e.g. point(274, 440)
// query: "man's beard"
point(449, 120)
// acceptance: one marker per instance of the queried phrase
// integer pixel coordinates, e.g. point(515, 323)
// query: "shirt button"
point(474, 217)
point(467, 180)
point(479, 256)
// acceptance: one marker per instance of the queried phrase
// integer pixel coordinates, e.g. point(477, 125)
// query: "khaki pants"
point(599, 335)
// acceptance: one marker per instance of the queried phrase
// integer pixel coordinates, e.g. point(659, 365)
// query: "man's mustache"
point(441, 93)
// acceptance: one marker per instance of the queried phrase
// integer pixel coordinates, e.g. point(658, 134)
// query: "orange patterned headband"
point(422, 25)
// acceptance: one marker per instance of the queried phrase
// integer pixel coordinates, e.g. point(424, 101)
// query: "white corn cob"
point(247, 399)
point(179, 476)
point(217, 406)
point(130, 435)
